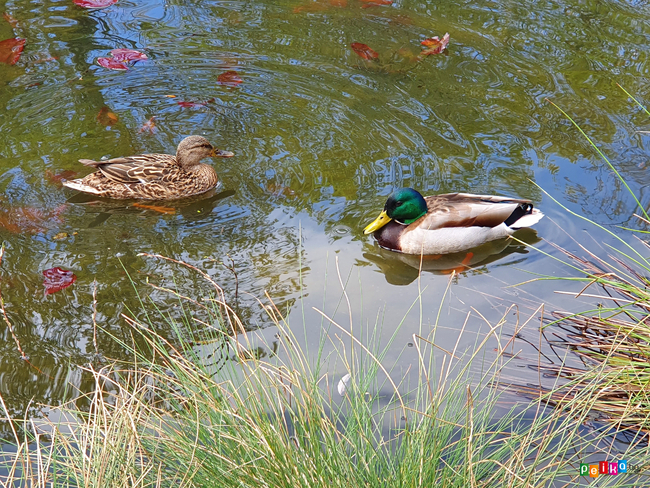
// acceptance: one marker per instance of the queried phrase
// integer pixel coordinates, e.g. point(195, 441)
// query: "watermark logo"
point(613, 468)
point(603, 467)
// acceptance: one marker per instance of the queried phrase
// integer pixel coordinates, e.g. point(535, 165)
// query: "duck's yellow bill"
point(378, 223)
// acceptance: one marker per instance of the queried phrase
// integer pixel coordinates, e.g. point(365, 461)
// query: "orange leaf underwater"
point(9, 18)
point(311, 7)
point(375, 3)
point(28, 220)
point(364, 51)
point(149, 126)
point(230, 78)
point(10, 50)
point(195, 104)
point(59, 177)
point(320, 6)
point(106, 117)
point(433, 45)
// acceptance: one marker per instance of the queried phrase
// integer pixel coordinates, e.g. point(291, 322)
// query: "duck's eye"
point(399, 202)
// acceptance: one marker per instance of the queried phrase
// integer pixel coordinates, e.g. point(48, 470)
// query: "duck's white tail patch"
point(528, 220)
point(77, 185)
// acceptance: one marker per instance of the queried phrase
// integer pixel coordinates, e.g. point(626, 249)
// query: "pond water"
point(321, 137)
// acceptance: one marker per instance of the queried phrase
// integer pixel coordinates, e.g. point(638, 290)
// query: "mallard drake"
point(153, 176)
point(453, 222)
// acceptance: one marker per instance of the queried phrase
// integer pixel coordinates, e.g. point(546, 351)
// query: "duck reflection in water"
point(403, 269)
point(190, 208)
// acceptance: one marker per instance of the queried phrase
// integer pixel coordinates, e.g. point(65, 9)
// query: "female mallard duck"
point(453, 222)
point(153, 176)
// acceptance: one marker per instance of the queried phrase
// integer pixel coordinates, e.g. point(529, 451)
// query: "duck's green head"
point(404, 206)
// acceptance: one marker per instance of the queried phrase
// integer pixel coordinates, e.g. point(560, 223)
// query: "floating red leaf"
point(364, 51)
point(149, 126)
point(10, 50)
point(111, 63)
point(433, 45)
point(57, 279)
point(230, 78)
point(127, 55)
point(9, 18)
point(106, 117)
point(94, 3)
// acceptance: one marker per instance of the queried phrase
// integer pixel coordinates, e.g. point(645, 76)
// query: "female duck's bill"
point(448, 223)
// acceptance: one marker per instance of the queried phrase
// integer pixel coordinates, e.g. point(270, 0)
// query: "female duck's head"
point(193, 149)
point(404, 206)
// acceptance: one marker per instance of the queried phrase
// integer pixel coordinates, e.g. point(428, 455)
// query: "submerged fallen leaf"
point(191, 104)
point(67, 174)
point(433, 45)
point(170, 96)
point(94, 3)
point(149, 126)
point(407, 54)
point(9, 18)
point(375, 3)
point(106, 117)
point(195, 104)
point(60, 236)
point(278, 190)
point(57, 279)
point(126, 55)
point(10, 50)
point(364, 51)
point(111, 63)
point(28, 220)
point(400, 19)
point(311, 7)
point(230, 78)
point(44, 58)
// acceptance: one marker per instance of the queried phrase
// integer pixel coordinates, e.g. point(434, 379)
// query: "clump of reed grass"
point(613, 339)
point(174, 417)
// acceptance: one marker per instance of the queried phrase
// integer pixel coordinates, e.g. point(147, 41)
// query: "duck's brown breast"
point(389, 235)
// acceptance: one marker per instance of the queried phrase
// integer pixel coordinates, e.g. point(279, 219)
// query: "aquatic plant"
point(612, 340)
point(179, 415)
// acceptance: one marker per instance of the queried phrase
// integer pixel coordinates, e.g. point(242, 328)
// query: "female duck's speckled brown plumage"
point(153, 176)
